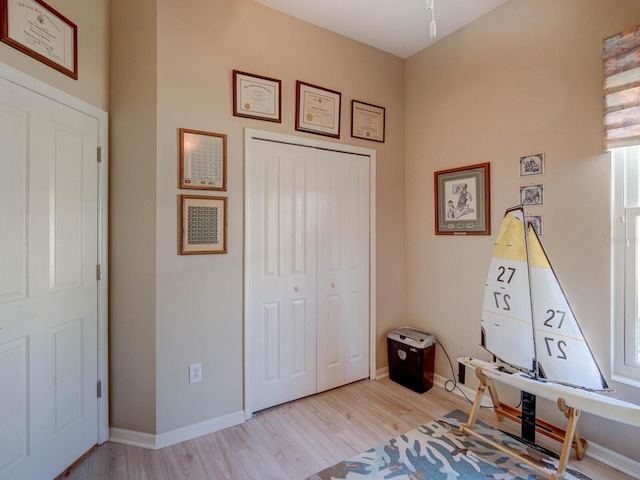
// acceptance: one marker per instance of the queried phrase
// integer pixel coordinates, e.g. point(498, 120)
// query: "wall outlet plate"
point(195, 372)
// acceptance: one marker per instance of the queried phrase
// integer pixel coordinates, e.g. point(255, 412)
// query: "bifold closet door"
point(343, 268)
point(281, 288)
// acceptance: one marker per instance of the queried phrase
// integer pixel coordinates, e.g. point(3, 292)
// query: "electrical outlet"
point(195, 372)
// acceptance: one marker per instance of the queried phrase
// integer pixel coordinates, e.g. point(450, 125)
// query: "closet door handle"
point(333, 284)
point(296, 289)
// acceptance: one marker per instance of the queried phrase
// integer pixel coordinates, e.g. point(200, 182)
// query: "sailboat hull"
point(580, 399)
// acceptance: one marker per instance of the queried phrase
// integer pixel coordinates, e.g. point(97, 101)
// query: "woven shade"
point(621, 55)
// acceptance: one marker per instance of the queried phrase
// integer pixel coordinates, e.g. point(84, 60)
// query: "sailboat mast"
point(535, 366)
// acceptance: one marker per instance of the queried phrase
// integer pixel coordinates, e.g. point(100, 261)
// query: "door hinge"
point(99, 154)
point(99, 391)
point(98, 272)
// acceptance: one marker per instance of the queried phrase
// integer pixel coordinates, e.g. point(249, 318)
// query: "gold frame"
point(191, 226)
point(211, 151)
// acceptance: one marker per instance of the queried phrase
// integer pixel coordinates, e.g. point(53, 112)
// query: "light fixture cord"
point(432, 25)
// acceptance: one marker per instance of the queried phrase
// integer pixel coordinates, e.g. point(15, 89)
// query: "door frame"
point(251, 135)
point(30, 83)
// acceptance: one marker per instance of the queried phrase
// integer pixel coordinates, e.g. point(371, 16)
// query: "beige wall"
point(190, 307)
point(91, 18)
point(525, 78)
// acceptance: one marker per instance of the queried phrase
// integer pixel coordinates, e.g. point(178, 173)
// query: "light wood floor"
point(295, 440)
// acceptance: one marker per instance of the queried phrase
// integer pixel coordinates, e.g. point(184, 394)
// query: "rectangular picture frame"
point(367, 121)
point(203, 160)
point(43, 33)
point(317, 110)
point(532, 164)
point(532, 194)
point(257, 97)
point(462, 200)
point(203, 225)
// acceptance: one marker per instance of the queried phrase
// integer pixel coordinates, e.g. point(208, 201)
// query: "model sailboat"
point(529, 327)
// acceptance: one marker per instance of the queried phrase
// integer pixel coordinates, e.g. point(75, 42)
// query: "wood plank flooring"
point(295, 440)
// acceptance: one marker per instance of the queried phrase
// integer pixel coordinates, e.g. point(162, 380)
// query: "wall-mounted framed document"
point(203, 224)
point(367, 121)
point(203, 160)
point(36, 29)
point(317, 110)
point(255, 96)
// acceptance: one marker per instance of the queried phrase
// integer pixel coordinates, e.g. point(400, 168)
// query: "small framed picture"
point(203, 160)
point(203, 224)
point(462, 201)
point(255, 96)
point(532, 164)
point(36, 29)
point(367, 121)
point(532, 194)
point(317, 110)
point(536, 223)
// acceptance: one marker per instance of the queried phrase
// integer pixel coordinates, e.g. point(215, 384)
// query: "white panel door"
point(48, 287)
point(343, 268)
point(281, 273)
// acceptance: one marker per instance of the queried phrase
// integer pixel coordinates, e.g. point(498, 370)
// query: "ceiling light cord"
point(432, 25)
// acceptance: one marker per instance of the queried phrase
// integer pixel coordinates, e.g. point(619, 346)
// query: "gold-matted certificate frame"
point(203, 160)
point(317, 110)
point(203, 224)
point(255, 96)
point(367, 121)
point(35, 28)
point(462, 200)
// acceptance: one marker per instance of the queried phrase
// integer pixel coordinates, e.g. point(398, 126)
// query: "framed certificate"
point(203, 160)
point(203, 224)
point(34, 28)
point(317, 110)
point(256, 97)
point(367, 121)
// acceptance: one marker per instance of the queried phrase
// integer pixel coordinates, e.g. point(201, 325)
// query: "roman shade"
point(621, 55)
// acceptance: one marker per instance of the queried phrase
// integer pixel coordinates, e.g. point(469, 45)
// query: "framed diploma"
point(317, 110)
point(203, 160)
point(34, 28)
point(256, 97)
point(367, 121)
point(203, 224)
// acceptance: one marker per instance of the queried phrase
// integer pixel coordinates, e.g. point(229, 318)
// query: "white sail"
point(526, 315)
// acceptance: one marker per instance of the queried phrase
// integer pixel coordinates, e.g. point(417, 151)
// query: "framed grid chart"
point(203, 160)
point(203, 224)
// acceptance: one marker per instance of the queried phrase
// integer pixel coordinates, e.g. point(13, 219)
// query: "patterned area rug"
point(438, 450)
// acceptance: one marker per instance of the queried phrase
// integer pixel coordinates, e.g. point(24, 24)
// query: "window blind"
point(621, 56)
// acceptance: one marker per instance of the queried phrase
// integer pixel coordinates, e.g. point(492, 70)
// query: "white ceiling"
point(400, 27)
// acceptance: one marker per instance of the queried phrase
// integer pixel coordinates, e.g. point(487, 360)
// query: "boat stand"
point(570, 438)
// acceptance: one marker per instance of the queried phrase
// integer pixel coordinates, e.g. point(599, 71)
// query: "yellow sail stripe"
point(510, 244)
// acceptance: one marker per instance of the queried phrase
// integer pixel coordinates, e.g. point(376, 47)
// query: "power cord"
point(453, 383)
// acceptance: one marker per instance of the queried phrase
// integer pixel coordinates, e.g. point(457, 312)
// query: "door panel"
point(281, 274)
point(343, 269)
point(48, 293)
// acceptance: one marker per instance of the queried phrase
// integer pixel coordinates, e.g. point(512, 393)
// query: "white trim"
point(179, 435)
point(249, 135)
point(613, 459)
point(23, 80)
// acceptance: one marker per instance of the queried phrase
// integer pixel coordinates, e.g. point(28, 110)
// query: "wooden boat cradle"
point(570, 438)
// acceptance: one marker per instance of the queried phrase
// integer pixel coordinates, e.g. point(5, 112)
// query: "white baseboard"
point(155, 442)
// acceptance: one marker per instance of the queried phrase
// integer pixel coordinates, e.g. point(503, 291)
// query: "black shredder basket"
point(411, 358)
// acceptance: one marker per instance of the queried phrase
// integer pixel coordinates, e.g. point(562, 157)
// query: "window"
point(625, 250)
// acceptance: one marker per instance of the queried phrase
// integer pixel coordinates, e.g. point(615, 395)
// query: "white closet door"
point(281, 274)
point(343, 268)
point(48, 286)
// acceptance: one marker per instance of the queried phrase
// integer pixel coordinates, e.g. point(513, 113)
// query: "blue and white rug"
point(438, 450)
